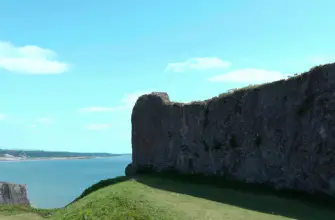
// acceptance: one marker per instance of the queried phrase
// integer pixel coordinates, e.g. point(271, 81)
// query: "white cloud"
point(30, 59)
point(198, 64)
point(98, 127)
point(248, 76)
point(45, 121)
point(2, 117)
point(130, 99)
point(32, 126)
point(127, 102)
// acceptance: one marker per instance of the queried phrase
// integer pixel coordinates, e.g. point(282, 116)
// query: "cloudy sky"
point(70, 71)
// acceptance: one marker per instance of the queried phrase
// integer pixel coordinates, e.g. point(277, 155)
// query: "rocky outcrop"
point(13, 194)
point(281, 134)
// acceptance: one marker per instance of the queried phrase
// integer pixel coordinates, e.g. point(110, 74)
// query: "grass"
point(16, 212)
point(148, 196)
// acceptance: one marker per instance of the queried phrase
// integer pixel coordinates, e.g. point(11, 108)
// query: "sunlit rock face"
point(280, 133)
point(13, 194)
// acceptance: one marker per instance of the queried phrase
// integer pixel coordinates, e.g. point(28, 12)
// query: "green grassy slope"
point(23, 216)
point(11, 212)
point(147, 197)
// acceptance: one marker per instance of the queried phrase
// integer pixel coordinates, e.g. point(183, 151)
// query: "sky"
point(71, 71)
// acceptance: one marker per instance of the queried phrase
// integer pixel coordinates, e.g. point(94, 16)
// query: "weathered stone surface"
point(281, 133)
point(13, 194)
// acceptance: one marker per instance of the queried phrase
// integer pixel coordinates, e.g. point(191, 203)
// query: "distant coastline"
point(48, 158)
point(28, 155)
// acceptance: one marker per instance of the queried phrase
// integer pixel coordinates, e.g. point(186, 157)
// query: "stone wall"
point(281, 134)
point(13, 194)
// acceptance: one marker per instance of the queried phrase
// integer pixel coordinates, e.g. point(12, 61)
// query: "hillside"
point(149, 197)
point(46, 154)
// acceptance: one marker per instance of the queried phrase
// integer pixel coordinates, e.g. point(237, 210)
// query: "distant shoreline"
point(18, 159)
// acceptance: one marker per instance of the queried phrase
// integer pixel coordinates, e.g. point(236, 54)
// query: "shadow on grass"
point(100, 185)
point(261, 198)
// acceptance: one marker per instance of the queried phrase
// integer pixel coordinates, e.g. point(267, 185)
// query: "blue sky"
point(70, 71)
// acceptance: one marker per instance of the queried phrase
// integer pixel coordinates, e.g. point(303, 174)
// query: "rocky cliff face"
point(281, 133)
point(13, 194)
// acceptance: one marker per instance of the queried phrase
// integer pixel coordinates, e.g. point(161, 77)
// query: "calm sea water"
point(55, 183)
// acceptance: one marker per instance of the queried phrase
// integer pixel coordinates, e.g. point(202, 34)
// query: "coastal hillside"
point(279, 134)
point(152, 197)
point(46, 154)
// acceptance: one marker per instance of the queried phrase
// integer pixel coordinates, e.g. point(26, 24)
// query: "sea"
point(56, 183)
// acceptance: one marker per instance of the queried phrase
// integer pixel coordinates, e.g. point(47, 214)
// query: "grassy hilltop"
point(155, 197)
